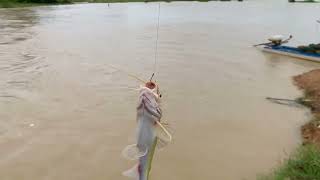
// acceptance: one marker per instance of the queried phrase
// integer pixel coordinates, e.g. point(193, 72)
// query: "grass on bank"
point(304, 164)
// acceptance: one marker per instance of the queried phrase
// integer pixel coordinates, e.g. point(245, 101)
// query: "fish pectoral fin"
point(132, 152)
point(161, 144)
point(162, 131)
point(132, 173)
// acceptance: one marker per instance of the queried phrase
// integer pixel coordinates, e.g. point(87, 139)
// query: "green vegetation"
point(304, 164)
point(304, 1)
point(6, 4)
point(310, 1)
point(26, 3)
point(311, 48)
point(36, 1)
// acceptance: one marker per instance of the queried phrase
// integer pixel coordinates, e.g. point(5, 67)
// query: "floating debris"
point(300, 102)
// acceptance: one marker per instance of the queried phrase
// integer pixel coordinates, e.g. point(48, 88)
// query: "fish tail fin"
point(133, 172)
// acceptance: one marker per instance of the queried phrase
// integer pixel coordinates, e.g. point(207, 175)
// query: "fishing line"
point(155, 69)
point(155, 54)
point(156, 48)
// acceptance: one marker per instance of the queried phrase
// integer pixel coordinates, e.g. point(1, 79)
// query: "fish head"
point(154, 88)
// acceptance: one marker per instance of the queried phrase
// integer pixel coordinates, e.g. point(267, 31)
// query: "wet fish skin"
point(148, 112)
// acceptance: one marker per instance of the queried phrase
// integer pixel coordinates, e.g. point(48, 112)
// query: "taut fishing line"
point(156, 46)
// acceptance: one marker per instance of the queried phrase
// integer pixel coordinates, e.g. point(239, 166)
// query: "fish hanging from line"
point(150, 132)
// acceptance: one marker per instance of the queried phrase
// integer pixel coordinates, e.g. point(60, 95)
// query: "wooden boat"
point(275, 46)
point(292, 52)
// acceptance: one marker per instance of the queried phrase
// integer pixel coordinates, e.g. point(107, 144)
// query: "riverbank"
point(305, 162)
point(310, 83)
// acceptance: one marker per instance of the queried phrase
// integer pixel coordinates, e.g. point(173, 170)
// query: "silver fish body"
point(148, 112)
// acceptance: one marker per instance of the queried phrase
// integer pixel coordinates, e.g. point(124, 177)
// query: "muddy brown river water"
point(65, 114)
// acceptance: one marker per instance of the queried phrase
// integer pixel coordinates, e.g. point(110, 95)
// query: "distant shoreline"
point(12, 4)
point(15, 4)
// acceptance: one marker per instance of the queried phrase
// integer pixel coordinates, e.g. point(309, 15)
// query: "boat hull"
point(292, 52)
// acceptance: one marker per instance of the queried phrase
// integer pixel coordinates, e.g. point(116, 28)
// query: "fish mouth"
point(151, 85)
